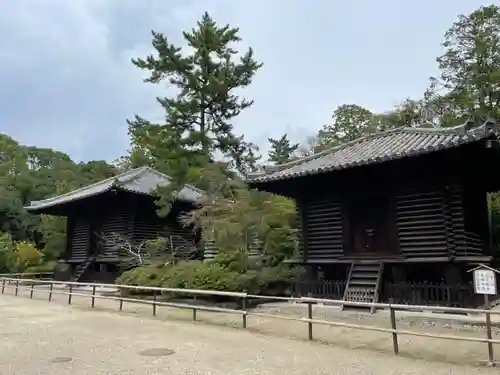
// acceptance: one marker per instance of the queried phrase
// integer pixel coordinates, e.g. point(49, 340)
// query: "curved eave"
point(61, 208)
point(280, 176)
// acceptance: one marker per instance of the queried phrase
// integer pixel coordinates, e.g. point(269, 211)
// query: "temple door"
point(369, 225)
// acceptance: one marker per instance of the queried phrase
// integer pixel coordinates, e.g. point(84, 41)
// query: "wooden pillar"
point(70, 223)
point(302, 227)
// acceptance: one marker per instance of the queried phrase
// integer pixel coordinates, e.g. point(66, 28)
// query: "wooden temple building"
point(105, 218)
point(402, 207)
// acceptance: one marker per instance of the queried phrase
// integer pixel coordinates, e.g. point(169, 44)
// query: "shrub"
point(223, 276)
point(7, 259)
point(151, 275)
point(26, 256)
point(50, 266)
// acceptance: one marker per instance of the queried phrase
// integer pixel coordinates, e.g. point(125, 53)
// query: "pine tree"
point(282, 150)
point(198, 118)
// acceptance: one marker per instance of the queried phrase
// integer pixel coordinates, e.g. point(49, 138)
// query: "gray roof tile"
point(377, 148)
point(142, 180)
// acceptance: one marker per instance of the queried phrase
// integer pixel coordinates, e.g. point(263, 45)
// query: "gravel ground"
point(41, 338)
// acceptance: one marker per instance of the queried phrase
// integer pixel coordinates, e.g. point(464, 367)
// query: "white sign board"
point(485, 282)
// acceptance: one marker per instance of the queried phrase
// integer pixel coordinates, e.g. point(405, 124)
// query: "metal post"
point(310, 316)
point(93, 296)
point(17, 287)
point(244, 308)
point(70, 294)
point(31, 290)
point(3, 286)
point(121, 305)
point(50, 291)
point(194, 314)
point(392, 314)
point(489, 335)
point(154, 303)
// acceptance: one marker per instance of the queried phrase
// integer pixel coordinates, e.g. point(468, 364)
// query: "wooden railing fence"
point(411, 293)
point(70, 289)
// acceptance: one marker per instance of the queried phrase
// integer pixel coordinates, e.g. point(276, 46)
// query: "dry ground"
point(380, 344)
point(41, 338)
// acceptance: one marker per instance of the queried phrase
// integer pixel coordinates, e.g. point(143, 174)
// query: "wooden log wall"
point(422, 224)
point(181, 239)
point(432, 223)
point(476, 222)
point(322, 225)
point(79, 239)
point(301, 234)
point(117, 223)
point(458, 242)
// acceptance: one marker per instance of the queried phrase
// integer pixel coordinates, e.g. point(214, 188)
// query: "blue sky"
point(67, 81)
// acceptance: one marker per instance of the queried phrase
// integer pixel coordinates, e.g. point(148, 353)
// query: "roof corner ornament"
point(468, 126)
point(114, 185)
point(490, 126)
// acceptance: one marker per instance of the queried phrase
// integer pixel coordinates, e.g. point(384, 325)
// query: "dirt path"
point(41, 338)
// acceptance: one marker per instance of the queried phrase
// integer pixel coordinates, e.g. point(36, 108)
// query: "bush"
point(50, 266)
point(7, 259)
point(151, 275)
point(223, 274)
point(26, 256)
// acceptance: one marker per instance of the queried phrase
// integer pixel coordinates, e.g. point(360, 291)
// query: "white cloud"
point(67, 81)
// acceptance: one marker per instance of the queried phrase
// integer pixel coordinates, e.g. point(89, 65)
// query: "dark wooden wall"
point(430, 212)
point(321, 226)
point(129, 216)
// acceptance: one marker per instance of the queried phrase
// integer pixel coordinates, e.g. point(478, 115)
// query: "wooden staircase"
point(363, 283)
point(81, 268)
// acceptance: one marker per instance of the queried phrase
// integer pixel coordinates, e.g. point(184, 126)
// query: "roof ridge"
point(134, 172)
point(336, 148)
point(167, 177)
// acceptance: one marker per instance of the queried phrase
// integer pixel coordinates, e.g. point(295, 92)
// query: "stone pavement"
point(56, 339)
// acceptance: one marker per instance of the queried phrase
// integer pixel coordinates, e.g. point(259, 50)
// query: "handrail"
point(378, 305)
point(244, 312)
point(3, 275)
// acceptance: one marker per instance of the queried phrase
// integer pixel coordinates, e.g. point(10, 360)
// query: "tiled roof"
point(142, 180)
point(378, 148)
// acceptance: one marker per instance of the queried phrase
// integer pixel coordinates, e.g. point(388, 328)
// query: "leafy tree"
point(349, 121)
point(282, 150)
point(198, 117)
point(469, 83)
point(233, 216)
point(7, 259)
point(409, 114)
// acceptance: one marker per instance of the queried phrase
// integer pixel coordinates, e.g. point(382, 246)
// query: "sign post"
point(485, 283)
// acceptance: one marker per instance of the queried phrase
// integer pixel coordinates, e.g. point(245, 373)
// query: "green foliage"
point(19, 256)
point(54, 236)
point(282, 150)
point(7, 259)
point(199, 116)
point(469, 82)
point(215, 275)
point(31, 173)
point(349, 121)
point(232, 216)
point(26, 255)
point(49, 266)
